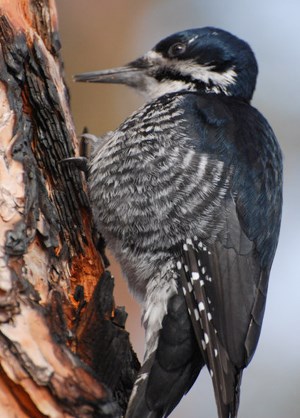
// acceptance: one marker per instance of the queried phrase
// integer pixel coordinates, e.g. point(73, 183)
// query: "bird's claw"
point(80, 162)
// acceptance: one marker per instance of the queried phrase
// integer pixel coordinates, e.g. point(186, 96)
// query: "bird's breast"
point(150, 189)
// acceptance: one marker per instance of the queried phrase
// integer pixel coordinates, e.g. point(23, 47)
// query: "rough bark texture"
point(63, 348)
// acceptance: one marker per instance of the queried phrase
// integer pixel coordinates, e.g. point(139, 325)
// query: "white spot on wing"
point(201, 306)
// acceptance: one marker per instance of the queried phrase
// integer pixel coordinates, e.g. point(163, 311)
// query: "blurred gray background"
point(99, 34)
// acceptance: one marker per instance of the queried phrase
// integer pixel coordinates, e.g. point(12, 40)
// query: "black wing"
point(225, 277)
point(222, 290)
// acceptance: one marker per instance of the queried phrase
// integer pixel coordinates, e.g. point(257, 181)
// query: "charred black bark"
point(52, 303)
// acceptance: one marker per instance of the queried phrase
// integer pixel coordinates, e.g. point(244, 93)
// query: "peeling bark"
point(63, 348)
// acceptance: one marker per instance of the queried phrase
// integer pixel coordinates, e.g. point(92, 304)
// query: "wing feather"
point(194, 274)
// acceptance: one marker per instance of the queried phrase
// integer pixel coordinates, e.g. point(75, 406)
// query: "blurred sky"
point(99, 34)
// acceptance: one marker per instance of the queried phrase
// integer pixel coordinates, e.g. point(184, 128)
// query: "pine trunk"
point(63, 348)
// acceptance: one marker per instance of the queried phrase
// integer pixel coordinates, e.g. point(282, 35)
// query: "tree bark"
point(63, 348)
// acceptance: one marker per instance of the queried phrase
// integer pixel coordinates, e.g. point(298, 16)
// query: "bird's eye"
point(177, 49)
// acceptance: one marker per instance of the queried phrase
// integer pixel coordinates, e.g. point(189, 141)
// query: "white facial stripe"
point(154, 89)
point(199, 73)
point(205, 73)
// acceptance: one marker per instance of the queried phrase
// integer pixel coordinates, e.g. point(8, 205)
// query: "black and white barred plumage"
point(187, 193)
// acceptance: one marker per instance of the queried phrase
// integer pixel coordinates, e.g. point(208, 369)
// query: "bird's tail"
point(229, 410)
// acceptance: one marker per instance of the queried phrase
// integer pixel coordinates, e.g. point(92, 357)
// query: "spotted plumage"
point(187, 193)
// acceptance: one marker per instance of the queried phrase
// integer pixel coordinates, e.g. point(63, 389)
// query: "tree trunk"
point(63, 348)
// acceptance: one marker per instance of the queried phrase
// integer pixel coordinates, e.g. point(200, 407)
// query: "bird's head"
point(207, 60)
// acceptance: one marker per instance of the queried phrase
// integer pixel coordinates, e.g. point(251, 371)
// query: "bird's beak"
point(120, 75)
point(132, 75)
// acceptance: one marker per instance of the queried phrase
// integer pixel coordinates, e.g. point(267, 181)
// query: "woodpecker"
point(187, 193)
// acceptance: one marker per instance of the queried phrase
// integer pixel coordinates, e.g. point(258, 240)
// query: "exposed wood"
point(63, 348)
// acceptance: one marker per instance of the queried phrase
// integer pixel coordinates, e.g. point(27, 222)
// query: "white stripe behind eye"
point(198, 72)
point(206, 74)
